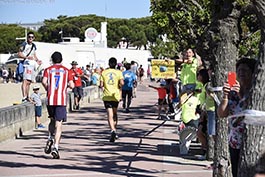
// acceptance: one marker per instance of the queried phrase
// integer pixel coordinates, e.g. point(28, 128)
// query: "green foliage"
point(164, 49)
point(183, 23)
point(8, 35)
point(186, 21)
point(136, 31)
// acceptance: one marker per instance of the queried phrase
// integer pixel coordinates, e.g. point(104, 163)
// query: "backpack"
point(19, 71)
point(20, 67)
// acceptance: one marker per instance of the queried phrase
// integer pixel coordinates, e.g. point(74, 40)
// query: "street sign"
point(91, 33)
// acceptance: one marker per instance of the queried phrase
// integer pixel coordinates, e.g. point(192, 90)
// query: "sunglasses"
point(31, 37)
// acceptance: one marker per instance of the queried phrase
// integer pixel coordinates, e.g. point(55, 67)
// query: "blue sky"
point(31, 11)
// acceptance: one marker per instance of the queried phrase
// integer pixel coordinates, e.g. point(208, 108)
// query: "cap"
point(74, 63)
point(36, 87)
point(163, 83)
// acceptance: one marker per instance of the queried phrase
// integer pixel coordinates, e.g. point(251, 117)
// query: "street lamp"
point(23, 38)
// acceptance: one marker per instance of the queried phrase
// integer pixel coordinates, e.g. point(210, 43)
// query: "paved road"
point(146, 147)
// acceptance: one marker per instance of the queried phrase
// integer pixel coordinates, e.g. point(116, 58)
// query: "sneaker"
point(127, 110)
point(77, 107)
point(40, 126)
point(112, 136)
point(55, 153)
point(201, 157)
point(117, 137)
point(48, 147)
point(159, 118)
point(24, 100)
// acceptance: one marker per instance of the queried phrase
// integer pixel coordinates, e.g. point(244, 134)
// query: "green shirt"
point(206, 100)
point(189, 108)
point(188, 72)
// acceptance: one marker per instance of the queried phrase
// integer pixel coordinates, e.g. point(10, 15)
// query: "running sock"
point(56, 146)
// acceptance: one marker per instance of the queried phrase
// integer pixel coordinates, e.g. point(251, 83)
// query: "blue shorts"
point(58, 113)
point(211, 123)
point(38, 111)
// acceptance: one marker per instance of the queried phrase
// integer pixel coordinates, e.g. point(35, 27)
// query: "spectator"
point(134, 69)
point(141, 73)
point(5, 75)
point(87, 75)
point(77, 73)
point(112, 81)
point(207, 118)
point(56, 83)
point(35, 98)
point(162, 100)
point(234, 101)
point(127, 88)
point(10, 75)
point(96, 77)
point(27, 52)
point(190, 64)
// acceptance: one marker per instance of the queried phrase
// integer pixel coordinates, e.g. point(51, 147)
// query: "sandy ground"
point(10, 93)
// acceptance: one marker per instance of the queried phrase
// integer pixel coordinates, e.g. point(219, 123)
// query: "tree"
point(8, 35)
point(232, 32)
point(182, 22)
point(254, 136)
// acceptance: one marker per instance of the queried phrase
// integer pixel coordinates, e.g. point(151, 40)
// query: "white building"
point(93, 51)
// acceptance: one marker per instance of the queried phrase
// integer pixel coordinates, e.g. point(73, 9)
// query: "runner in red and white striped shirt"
point(58, 77)
point(55, 80)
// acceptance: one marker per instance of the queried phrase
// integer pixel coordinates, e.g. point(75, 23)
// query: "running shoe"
point(112, 136)
point(40, 126)
point(117, 137)
point(55, 153)
point(48, 147)
point(24, 100)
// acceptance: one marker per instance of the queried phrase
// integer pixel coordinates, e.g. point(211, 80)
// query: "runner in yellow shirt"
point(111, 81)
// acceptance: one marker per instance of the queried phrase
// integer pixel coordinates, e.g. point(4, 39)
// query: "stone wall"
point(17, 119)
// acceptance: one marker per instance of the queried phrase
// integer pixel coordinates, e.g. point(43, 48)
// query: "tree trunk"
point(222, 44)
point(254, 136)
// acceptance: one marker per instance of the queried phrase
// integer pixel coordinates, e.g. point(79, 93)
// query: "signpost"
point(91, 33)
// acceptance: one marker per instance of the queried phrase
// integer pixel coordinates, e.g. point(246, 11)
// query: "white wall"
point(4, 57)
point(84, 54)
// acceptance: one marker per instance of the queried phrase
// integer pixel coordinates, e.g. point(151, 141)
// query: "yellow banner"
point(163, 69)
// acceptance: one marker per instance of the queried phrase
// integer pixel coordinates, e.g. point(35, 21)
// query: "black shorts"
point(192, 123)
point(111, 104)
point(58, 113)
point(204, 126)
point(127, 92)
point(78, 91)
point(162, 101)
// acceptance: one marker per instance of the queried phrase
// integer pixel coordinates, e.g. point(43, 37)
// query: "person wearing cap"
point(35, 98)
point(77, 73)
point(56, 79)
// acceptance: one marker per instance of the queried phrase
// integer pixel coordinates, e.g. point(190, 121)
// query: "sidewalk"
point(146, 147)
